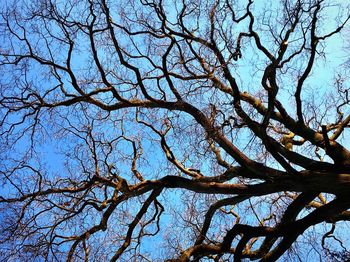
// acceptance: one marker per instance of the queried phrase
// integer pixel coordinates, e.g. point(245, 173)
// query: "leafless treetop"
point(141, 130)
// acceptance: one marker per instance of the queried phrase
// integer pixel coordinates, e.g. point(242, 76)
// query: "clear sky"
point(56, 148)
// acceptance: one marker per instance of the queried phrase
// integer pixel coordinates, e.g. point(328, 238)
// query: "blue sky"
point(50, 143)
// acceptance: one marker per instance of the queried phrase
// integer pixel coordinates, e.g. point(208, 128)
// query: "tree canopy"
point(152, 130)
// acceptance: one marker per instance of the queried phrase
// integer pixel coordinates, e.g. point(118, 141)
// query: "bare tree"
point(183, 130)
